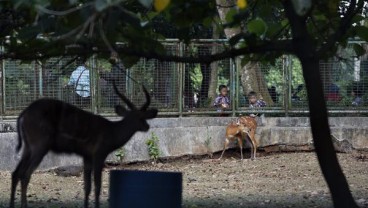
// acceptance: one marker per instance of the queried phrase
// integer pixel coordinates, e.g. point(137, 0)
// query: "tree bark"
point(212, 90)
point(252, 78)
point(306, 52)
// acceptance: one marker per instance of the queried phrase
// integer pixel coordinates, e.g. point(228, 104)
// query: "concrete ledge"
point(202, 135)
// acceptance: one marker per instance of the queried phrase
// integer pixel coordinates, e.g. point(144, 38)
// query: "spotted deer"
point(53, 125)
point(235, 130)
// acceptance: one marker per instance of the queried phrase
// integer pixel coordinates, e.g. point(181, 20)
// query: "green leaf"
point(230, 15)
point(362, 32)
point(207, 22)
point(146, 3)
point(284, 22)
point(359, 50)
point(257, 26)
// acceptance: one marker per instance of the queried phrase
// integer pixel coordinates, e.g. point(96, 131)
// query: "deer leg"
point(87, 171)
point(18, 172)
point(98, 166)
point(253, 146)
point(240, 142)
point(30, 166)
point(225, 146)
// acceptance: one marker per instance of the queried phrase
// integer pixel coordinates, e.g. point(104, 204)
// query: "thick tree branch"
point(276, 46)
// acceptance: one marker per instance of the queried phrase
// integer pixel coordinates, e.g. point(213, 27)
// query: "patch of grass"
point(153, 149)
point(120, 154)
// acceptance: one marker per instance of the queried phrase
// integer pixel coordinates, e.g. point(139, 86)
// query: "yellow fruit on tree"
point(160, 5)
point(242, 4)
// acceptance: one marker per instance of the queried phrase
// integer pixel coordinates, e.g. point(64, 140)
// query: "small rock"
point(160, 165)
point(267, 201)
point(191, 179)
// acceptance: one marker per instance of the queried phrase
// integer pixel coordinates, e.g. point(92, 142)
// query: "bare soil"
point(272, 180)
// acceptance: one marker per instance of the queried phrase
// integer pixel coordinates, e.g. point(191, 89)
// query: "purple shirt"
point(258, 104)
point(221, 100)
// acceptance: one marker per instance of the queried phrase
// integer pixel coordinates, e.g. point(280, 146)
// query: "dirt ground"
point(273, 180)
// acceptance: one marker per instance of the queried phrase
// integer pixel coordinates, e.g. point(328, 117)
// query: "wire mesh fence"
point(223, 87)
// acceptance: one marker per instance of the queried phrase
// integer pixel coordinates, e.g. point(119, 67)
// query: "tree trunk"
point(306, 52)
point(252, 78)
point(212, 90)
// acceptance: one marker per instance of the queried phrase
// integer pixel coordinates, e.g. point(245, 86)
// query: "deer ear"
point(120, 110)
point(151, 113)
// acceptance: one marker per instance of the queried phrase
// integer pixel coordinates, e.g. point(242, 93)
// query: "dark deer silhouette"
point(52, 125)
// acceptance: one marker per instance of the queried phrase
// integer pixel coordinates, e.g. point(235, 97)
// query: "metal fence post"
point(3, 89)
point(181, 71)
point(93, 84)
point(287, 70)
point(40, 77)
point(233, 85)
point(2, 76)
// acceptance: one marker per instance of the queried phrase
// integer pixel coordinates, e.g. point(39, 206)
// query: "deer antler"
point(148, 99)
point(125, 99)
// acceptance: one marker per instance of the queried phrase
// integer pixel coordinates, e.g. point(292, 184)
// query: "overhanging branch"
point(344, 25)
point(282, 46)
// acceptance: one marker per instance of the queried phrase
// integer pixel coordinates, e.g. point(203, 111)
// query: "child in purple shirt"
point(222, 101)
point(254, 102)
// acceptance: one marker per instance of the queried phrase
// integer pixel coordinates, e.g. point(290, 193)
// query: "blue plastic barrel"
point(145, 189)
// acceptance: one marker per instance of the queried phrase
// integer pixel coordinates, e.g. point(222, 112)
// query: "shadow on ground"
point(277, 202)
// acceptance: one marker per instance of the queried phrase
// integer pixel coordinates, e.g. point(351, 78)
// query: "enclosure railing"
point(184, 89)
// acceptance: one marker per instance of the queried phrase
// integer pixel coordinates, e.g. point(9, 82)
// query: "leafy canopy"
point(40, 29)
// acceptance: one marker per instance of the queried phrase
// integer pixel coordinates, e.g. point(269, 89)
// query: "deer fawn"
point(235, 130)
point(52, 125)
point(251, 123)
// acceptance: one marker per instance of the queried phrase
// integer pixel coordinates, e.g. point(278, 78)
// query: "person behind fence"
point(222, 101)
point(116, 74)
point(357, 94)
point(254, 102)
point(333, 93)
point(80, 83)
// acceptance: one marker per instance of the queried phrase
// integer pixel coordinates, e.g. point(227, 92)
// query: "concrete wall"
point(188, 136)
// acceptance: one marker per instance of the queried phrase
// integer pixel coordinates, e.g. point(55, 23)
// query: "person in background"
point(295, 97)
point(80, 81)
point(222, 101)
point(357, 94)
point(333, 93)
point(254, 102)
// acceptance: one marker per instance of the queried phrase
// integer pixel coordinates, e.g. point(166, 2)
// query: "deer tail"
point(20, 133)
